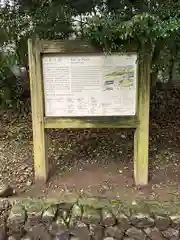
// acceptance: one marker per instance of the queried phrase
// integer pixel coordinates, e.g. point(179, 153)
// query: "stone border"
point(83, 218)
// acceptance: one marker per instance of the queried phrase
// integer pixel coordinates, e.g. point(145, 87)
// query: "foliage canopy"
point(107, 23)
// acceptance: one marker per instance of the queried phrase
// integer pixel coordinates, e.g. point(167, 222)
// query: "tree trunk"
point(172, 66)
point(155, 58)
point(154, 76)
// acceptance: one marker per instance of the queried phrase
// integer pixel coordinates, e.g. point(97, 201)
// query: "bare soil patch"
point(96, 162)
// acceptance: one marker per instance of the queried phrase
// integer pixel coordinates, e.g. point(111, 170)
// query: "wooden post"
point(39, 135)
point(141, 141)
point(40, 122)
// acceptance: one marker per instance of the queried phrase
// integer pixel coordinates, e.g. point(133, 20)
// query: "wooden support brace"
point(141, 140)
point(39, 134)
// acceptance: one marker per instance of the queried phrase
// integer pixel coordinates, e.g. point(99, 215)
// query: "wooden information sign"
point(74, 86)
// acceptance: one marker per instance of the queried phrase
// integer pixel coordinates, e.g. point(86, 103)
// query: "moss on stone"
point(128, 208)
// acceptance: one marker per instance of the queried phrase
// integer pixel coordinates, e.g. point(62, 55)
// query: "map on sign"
point(89, 85)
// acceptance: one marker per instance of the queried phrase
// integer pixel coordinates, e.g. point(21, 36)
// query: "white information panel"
point(89, 85)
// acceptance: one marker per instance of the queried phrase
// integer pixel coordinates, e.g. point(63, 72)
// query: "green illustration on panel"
point(119, 77)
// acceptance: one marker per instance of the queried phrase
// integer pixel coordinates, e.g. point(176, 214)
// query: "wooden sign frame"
point(40, 123)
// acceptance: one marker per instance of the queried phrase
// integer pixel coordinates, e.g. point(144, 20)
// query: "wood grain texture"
point(37, 106)
point(141, 139)
point(93, 122)
point(140, 122)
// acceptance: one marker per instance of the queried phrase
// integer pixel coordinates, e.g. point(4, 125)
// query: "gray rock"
point(74, 238)
point(175, 221)
point(114, 232)
point(171, 233)
point(81, 231)
point(3, 235)
point(49, 214)
point(123, 222)
point(57, 228)
point(154, 234)
point(142, 221)
point(4, 205)
point(136, 234)
point(39, 232)
point(13, 238)
point(4, 211)
point(26, 237)
point(34, 216)
point(108, 238)
point(91, 216)
point(64, 214)
point(96, 231)
point(60, 221)
point(162, 222)
point(76, 215)
point(16, 219)
point(107, 218)
point(127, 238)
point(6, 190)
point(64, 211)
point(62, 236)
point(76, 212)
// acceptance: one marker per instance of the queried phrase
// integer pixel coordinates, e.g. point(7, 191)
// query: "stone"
point(34, 216)
point(74, 238)
point(72, 222)
point(76, 215)
point(154, 233)
point(142, 220)
point(26, 237)
point(13, 238)
point(81, 231)
point(64, 211)
point(39, 232)
point(60, 221)
point(162, 222)
point(91, 216)
point(6, 190)
point(96, 231)
point(49, 214)
point(16, 219)
point(3, 219)
point(62, 236)
point(3, 234)
point(76, 212)
point(108, 238)
point(114, 232)
point(136, 233)
point(175, 221)
point(127, 238)
point(57, 227)
point(4, 205)
point(4, 211)
point(107, 218)
point(171, 233)
point(123, 222)
point(34, 213)
point(64, 214)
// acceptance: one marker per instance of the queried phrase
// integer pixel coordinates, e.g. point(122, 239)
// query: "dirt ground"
point(95, 162)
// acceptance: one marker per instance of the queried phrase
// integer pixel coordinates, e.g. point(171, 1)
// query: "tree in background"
point(21, 20)
point(145, 23)
point(106, 23)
